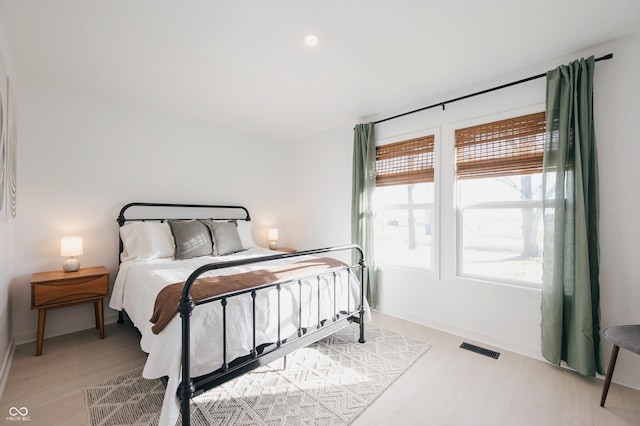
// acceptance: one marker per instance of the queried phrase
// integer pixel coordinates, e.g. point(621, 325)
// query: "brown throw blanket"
point(166, 306)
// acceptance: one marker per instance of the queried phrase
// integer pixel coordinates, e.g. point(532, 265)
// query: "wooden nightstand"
point(58, 288)
point(285, 250)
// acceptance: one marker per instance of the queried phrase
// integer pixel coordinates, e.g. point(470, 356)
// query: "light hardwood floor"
point(446, 386)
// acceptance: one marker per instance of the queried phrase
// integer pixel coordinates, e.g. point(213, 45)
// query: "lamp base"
point(71, 265)
point(273, 245)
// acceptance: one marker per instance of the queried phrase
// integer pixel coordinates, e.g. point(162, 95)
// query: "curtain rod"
point(482, 92)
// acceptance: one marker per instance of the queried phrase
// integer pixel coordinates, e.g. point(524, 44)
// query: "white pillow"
point(246, 235)
point(146, 240)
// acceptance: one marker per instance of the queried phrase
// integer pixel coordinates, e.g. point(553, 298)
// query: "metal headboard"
point(211, 207)
point(122, 219)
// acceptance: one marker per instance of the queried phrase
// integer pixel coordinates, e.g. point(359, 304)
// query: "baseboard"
point(111, 317)
point(466, 333)
point(5, 368)
point(626, 377)
point(622, 376)
point(19, 339)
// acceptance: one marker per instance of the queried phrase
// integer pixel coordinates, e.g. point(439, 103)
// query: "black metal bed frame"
point(261, 354)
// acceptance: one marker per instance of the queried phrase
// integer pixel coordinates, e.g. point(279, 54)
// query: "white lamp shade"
point(272, 235)
point(71, 246)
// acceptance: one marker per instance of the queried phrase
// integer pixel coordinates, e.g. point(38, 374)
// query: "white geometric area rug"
point(327, 383)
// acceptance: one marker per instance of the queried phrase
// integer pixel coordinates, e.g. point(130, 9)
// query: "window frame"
point(458, 251)
point(433, 271)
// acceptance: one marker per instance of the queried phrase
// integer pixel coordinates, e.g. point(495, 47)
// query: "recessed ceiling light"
point(311, 40)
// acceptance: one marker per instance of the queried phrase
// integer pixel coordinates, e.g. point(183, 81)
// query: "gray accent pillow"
point(192, 238)
point(226, 237)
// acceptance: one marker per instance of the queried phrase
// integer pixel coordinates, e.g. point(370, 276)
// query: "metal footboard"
point(191, 387)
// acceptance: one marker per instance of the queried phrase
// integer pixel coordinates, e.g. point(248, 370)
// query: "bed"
point(210, 305)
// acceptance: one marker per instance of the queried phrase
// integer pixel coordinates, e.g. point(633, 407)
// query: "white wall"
point(6, 262)
point(617, 112)
point(319, 189)
point(504, 316)
point(83, 156)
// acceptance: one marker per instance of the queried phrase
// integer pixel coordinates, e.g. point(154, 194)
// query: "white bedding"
point(139, 281)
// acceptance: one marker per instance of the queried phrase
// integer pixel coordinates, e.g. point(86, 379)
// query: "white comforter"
point(139, 281)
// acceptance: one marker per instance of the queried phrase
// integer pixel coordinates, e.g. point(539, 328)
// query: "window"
point(499, 176)
point(404, 202)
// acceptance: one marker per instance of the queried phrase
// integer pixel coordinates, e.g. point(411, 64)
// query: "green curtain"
point(364, 182)
point(570, 287)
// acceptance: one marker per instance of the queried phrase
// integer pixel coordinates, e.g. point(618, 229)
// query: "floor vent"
point(479, 350)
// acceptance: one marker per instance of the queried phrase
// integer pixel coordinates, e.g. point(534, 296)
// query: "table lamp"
point(71, 246)
point(273, 238)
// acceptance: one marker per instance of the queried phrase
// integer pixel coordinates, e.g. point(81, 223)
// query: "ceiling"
point(242, 64)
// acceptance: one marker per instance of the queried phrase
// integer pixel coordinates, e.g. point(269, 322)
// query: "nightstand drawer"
point(54, 290)
point(69, 291)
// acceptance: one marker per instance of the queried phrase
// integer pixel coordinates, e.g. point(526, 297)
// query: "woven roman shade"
point(508, 147)
point(405, 162)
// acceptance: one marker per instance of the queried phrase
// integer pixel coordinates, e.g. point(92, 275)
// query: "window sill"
point(382, 266)
point(509, 287)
